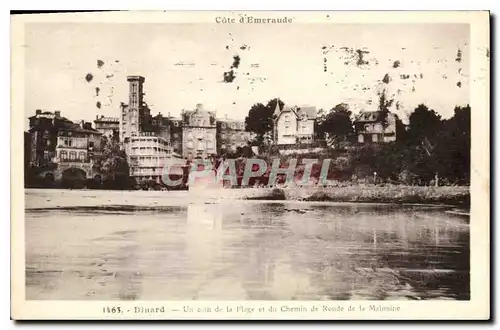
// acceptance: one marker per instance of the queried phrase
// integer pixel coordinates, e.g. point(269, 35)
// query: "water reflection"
point(239, 250)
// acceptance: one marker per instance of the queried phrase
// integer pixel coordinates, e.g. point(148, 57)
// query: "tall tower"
point(135, 104)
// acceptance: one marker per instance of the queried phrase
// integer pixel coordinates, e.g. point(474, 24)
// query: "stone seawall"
point(453, 195)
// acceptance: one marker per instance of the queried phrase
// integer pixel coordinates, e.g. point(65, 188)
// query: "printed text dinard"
point(252, 20)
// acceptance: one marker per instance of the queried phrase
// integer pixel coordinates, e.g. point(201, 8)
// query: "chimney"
point(57, 113)
point(38, 112)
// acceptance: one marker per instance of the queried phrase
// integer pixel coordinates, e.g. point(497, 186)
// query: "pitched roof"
point(310, 111)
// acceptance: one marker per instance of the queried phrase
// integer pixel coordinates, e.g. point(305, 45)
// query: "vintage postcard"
point(251, 165)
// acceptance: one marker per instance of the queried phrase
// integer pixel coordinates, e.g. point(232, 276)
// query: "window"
point(63, 155)
point(72, 155)
point(81, 156)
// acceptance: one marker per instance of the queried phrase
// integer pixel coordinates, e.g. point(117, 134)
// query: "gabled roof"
point(309, 111)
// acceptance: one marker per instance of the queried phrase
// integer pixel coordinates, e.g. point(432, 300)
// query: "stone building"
point(42, 133)
point(198, 133)
point(60, 149)
point(294, 125)
point(108, 126)
point(77, 144)
point(372, 127)
point(231, 134)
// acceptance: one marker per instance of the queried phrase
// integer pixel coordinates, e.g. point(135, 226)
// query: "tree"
point(337, 123)
point(424, 124)
point(318, 122)
point(260, 118)
point(453, 149)
point(111, 161)
point(384, 105)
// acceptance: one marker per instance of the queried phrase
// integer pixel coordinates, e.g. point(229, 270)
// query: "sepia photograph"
point(251, 157)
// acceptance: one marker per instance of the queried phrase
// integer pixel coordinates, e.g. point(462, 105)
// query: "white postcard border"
point(477, 308)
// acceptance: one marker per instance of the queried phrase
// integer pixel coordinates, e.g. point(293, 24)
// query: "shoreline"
point(446, 196)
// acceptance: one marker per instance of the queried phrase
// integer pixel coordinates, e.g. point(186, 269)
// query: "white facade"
point(149, 155)
point(294, 125)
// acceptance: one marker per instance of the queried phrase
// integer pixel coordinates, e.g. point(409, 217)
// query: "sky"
point(302, 64)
